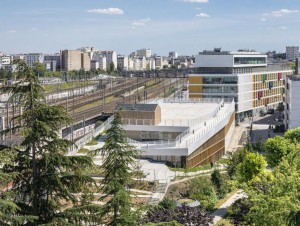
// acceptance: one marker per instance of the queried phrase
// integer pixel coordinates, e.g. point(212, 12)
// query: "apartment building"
point(71, 60)
point(98, 61)
point(173, 55)
point(244, 76)
point(32, 58)
point(75, 60)
point(144, 53)
point(123, 63)
point(111, 57)
point(85, 61)
point(164, 130)
point(292, 52)
point(54, 59)
point(292, 99)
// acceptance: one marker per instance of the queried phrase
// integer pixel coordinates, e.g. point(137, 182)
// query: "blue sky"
point(185, 26)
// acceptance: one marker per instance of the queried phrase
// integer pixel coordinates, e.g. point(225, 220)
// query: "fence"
point(89, 136)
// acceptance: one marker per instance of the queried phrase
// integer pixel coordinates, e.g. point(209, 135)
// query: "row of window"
point(250, 60)
point(266, 93)
point(267, 85)
point(271, 76)
point(268, 100)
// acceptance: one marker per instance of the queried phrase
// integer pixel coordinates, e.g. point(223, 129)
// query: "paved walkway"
point(221, 212)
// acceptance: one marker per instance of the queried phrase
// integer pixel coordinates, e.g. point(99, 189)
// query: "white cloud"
point(282, 12)
point(282, 28)
point(196, 1)
point(12, 31)
point(263, 19)
point(33, 29)
point(141, 22)
point(205, 15)
point(109, 11)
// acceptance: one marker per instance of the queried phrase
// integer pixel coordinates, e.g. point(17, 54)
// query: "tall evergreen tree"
point(118, 156)
point(45, 176)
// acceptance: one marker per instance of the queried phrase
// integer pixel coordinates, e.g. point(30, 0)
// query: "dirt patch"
point(177, 191)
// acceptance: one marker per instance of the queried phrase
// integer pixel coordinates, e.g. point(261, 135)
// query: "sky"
point(184, 26)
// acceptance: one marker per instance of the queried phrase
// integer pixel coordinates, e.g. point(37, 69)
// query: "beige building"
point(75, 60)
point(71, 60)
point(85, 61)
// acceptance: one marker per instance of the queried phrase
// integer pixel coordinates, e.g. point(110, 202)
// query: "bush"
point(203, 190)
point(238, 210)
point(92, 142)
point(219, 181)
point(167, 204)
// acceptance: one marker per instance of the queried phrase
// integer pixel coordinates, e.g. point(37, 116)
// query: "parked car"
point(271, 111)
point(262, 113)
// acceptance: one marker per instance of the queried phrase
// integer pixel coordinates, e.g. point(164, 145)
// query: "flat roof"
point(171, 112)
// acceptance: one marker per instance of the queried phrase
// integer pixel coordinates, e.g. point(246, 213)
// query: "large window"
point(220, 89)
point(249, 60)
point(220, 80)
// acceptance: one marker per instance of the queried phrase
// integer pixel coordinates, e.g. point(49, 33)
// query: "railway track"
point(109, 107)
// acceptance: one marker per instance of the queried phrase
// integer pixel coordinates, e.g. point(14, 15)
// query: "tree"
point(293, 135)
point(118, 155)
point(112, 66)
point(218, 181)
point(39, 69)
point(280, 107)
point(278, 203)
point(252, 165)
point(203, 190)
point(235, 159)
point(45, 176)
point(277, 148)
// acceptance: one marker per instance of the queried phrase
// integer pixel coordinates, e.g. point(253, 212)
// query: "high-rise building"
point(123, 63)
point(53, 57)
point(85, 61)
point(144, 53)
point(292, 52)
point(71, 60)
point(243, 76)
point(32, 58)
point(98, 61)
point(111, 57)
point(173, 55)
point(292, 99)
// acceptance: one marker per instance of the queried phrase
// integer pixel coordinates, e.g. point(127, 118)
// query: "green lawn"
point(67, 85)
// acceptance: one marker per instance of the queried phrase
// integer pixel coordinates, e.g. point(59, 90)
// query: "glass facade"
point(220, 80)
point(220, 89)
point(249, 60)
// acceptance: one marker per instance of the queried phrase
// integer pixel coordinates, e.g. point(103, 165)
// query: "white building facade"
point(244, 76)
point(292, 102)
point(32, 58)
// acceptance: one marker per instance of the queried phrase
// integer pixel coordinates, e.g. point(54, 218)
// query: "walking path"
point(221, 212)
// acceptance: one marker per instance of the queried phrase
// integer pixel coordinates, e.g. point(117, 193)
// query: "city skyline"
point(185, 26)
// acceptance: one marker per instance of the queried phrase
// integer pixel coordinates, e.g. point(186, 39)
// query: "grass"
point(92, 142)
point(94, 104)
point(67, 85)
point(189, 170)
point(220, 202)
point(83, 151)
point(224, 222)
point(223, 161)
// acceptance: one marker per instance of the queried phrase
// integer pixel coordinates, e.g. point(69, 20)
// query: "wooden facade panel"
point(231, 120)
point(195, 80)
point(147, 115)
point(195, 89)
point(211, 151)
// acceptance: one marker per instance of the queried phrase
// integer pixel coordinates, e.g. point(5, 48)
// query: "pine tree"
point(118, 156)
point(45, 176)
